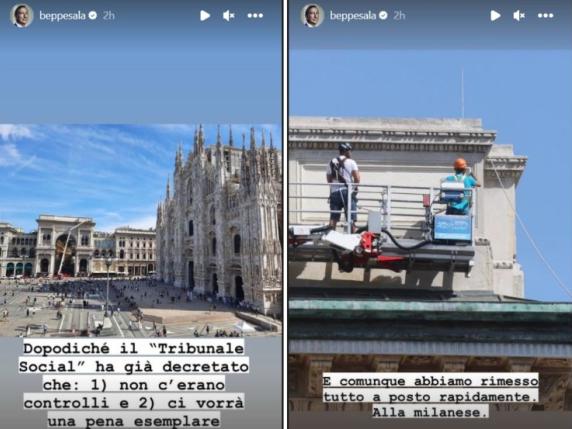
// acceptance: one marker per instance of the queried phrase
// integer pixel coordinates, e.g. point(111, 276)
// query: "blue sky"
point(113, 173)
point(526, 96)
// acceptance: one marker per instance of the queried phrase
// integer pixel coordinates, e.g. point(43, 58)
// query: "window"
point(121, 254)
point(227, 160)
point(214, 246)
point(237, 244)
point(212, 214)
point(191, 228)
point(85, 240)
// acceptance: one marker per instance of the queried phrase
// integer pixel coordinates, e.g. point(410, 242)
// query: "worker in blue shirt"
point(462, 174)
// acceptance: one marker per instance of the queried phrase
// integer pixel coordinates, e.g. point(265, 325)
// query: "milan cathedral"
point(219, 230)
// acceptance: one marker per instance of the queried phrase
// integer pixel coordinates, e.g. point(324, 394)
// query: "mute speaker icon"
point(227, 15)
point(518, 15)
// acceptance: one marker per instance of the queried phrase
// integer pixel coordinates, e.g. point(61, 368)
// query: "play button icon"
point(204, 15)
point(495, 15)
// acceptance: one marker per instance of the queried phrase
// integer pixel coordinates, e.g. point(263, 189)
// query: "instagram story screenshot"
point(141, 216)
point(428, 263)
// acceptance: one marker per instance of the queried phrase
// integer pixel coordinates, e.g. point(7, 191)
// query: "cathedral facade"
point(219, 230)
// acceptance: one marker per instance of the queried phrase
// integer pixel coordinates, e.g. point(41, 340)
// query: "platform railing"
point(401, 207)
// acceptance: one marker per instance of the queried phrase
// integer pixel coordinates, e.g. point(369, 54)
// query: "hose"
point(401, 246)
point(326, 228)
point(320, 229)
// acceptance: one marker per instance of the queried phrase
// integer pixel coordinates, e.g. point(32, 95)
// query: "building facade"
point(70, 246)
point(17, 251)
point(432, 321)
point(395, 332)
point(219, 231)
point(408, 154)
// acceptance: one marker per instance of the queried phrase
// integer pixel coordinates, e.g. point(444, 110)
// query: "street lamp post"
point(67, 241)
point(108, 262)
point(23, 258)
point(5, 284)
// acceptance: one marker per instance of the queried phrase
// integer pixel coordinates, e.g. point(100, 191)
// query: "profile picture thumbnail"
point(312, 15)
point(21, 15)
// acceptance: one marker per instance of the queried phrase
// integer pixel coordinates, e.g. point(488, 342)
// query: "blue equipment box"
point(453, 227)
point(452, 196)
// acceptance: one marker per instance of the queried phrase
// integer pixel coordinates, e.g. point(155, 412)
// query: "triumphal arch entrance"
point(64, 245)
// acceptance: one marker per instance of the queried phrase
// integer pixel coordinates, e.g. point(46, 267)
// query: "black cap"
point(344, 147)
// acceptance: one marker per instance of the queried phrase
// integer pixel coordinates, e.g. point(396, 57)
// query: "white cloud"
point(10, 132)
point(10, 156)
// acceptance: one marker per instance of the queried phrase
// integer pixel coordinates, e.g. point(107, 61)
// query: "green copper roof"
point(427, 310)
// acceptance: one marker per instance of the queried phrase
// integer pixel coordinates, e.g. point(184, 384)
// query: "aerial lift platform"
point(446, 245)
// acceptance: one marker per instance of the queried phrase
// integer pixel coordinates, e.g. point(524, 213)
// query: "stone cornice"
point(396, 134)
point(329, 133)
point(135, 232)
point(65, 219)
point(505, 165)
point(401, 144)
point(387, 123)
